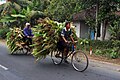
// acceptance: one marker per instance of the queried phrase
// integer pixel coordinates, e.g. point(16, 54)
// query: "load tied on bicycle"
point(48, 37)
point(19, 41)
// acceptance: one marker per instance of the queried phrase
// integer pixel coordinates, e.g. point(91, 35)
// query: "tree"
point(62, 10)
point(104, 12)
point(13, 14)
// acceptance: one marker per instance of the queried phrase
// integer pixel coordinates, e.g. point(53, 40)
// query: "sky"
point(2, 1)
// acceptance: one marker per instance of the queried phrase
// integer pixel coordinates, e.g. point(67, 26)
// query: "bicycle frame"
point(71, 52)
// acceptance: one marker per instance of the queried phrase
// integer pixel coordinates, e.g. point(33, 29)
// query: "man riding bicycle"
point(65, 36)
point(28, 34)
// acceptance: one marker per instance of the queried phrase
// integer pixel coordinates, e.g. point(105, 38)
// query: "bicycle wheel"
point(57, 57)
point(25, 51)
point(79, 61)
point(21, 51)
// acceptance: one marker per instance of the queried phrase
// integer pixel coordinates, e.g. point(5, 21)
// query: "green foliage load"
point(46, 36)
point(14, 39)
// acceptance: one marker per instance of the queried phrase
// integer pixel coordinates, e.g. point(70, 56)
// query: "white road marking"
point(5, 68)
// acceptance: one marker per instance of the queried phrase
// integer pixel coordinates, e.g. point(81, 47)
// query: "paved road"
point(23, 67)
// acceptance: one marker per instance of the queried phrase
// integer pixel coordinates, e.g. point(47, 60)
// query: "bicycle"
point(79, 59)
point(22, 47)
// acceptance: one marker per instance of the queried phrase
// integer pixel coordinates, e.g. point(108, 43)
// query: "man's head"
point(67, 25)
point(28, 25)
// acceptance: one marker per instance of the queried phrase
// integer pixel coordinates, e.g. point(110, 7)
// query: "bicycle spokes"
point(79, 61)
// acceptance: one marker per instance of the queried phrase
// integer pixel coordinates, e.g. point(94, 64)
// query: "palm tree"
point(16, 15)
point(15, 4)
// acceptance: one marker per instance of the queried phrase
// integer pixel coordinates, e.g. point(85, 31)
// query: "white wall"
point(77, 24)
point(81, 29)
point(84, 30)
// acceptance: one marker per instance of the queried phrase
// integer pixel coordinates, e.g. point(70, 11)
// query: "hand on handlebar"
point(29, 36)
point(66, 41)
point(73, 42)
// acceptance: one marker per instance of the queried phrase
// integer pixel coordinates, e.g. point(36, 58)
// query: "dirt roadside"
point(2, 41)
point(104, 59)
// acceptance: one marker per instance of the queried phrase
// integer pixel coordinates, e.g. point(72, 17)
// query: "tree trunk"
point(104, 29)
point(97, 8)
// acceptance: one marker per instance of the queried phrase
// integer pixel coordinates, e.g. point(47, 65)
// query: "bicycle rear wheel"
point(25, 51)
point(79, 61)
point(20, 51)
point(57, 57)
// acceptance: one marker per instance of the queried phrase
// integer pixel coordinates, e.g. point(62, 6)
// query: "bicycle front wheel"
point(79, 61)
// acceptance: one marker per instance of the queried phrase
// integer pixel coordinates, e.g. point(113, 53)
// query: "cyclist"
point(65, 36)
point(28, 34)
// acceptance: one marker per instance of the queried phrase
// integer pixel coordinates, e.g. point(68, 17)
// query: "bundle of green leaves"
point(46, 36)
point(14, 39)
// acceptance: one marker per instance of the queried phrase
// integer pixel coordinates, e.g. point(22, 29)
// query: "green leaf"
point(18, 15)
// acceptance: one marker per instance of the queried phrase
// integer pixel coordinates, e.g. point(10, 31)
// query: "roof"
point(83, 14)
point(79, 16)
point(90, 12)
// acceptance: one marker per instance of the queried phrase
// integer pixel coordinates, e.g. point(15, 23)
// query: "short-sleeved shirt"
point(66, 33)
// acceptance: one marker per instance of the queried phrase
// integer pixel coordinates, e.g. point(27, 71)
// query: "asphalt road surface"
point(23, 67)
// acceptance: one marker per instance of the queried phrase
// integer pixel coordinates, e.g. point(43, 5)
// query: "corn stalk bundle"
point(14, 39)
point(46, 36)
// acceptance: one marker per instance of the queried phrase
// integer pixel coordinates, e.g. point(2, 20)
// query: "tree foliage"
point(62, 10)
point(105, 14)
point(16, 13)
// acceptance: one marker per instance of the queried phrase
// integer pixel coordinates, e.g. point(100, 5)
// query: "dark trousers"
point(63, 47)
point(28, 41)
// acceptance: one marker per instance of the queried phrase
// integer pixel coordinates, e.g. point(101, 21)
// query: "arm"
point(63, 34)
point(31, 33)
point(25, 32)
point(72, 38)
point(64, 39)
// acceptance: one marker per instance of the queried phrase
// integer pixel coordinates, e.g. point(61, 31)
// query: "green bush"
point(83, 44)
point(112, 53)
point(97, 44)
point(98, 52)
point(3, 32)
point(107, 48)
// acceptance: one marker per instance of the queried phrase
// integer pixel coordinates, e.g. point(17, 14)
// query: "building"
point(83, 30)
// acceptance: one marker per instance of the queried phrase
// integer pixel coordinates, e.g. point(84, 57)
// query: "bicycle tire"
point(20, 51)
point(79, 61)
point(25, 51)
point(57, 60)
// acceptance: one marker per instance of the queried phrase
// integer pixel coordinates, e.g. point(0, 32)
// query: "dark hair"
point(67, 23)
